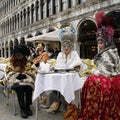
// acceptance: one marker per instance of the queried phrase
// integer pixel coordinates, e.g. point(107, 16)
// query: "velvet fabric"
point(100, 98)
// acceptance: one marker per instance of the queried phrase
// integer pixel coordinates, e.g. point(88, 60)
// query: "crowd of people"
point(100, 95)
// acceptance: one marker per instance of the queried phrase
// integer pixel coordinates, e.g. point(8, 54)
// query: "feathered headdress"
point(67, 36)
point(21, 49)
point(105, 30)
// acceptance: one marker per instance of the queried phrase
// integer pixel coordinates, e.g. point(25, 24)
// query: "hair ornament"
point(104, 26)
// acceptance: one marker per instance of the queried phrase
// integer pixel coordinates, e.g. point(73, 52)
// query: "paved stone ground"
point(6, 112)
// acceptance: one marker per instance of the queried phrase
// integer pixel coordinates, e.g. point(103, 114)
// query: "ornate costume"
point(100, 93)
point(20, 76)
point(67, 59)
point(12, 73)
point(107, 62)
point(71, 61)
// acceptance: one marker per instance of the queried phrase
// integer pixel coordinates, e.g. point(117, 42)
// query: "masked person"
point(68, 58)
point(101, 91)
point(20, 74)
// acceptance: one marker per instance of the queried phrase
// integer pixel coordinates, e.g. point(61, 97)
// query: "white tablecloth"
point(2, 69)
point(65, 83)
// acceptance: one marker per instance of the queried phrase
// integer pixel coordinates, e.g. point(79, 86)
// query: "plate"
point(42, 72)
point(64, 70)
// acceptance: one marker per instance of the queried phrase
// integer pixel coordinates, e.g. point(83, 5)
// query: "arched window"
point(21, 18)
point(11, 47)
point(41, 8)
point(55, 6)
point(15, 21)
point(16, 41)
point(10, 25)
point(13, 24)
point(87, 39)
point(50, 29)
point(22, 40)
point(32, 13)
point(24, 17)
point(29, 35)
point(62, 5)
point(48, 8)
point(37, 10)
point(69, 3)
point(116, 24)
point(28, 15)
point(18, 21)
point(38, 33)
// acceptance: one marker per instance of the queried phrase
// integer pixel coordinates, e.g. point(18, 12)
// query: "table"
point(66, 83)
point(2, 70)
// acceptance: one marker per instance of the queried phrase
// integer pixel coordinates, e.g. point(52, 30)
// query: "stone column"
point(51, 7)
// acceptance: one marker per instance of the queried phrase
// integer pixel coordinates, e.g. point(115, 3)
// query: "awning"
point(51, 36)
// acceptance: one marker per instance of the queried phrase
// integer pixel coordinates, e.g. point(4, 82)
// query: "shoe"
point(53, 107)
point(50, 111)
point(29, 112)
point(23, 114)
point(43, 106)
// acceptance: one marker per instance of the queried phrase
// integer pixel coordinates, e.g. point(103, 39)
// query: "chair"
point(6, 92)
point(13, 93)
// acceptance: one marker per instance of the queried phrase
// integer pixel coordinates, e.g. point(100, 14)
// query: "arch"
point(50, 29)
point(38, 33)
point(28, 15)
point(16, 41)
point(24, 17)
point(37, 10)
point(32, 13)
point(29, 35)
point(86, 35)
point(0, 49)
point(22, 40)
point(115, 14)
point(18, 21)
point(3, 49)
point(11, 47)
point(6, 49)
point(65, 24)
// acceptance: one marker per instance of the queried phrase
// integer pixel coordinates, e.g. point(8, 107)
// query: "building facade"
point(23, 19)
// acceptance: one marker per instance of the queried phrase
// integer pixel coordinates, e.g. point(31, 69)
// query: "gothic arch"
point(16, 41)
point(50, 29)
point(38, 33)
point(6, 49)
point(86, 36)
point(22, 40)
point(11, 47)
point(115, 14)
point(29, 35)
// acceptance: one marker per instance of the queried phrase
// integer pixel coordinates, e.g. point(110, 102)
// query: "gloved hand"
point(21, 76)
point(88, 71)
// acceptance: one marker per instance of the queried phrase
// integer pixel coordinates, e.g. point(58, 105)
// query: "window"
point(62, 5)
point(32, 13)
point(48, 8)
point(55, 6)
point(69, 3)
point(41, 10)
point(37, 8)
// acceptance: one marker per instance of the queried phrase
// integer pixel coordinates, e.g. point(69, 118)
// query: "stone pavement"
point(6, 112)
